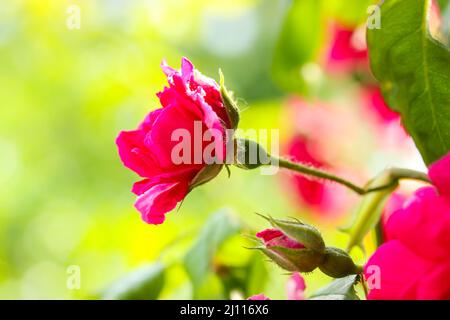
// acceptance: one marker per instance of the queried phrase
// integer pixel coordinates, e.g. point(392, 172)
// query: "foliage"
point(413, 68)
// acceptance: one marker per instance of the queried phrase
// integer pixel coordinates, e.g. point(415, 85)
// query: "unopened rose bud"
point(303, 233)
point(338, 263)
point(296, 246)
point(249, 154)
point(288, 253)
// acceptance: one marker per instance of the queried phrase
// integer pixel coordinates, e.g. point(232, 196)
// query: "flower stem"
point(399, 173)
point(364, 285)
point(311, 171)
point(395, 173)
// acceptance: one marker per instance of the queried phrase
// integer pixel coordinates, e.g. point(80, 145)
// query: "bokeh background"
point(298, 66)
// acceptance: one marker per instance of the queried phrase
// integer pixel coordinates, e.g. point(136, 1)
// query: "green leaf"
point(217, 229)
point(414, 71)
point(339, 289)
point(144, 283)
point(256, 275)
point(299, 43)
point(369, 211)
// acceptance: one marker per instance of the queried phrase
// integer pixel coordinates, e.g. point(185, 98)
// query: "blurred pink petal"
point(258, 297)
point(295, 287)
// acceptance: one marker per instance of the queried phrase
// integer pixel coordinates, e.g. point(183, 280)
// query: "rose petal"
point(185, 174)
point(160, 199)
point(423, 225)
point(435, 285)
point(273, 237)
point(439, 173)
point(295, 287)
point(400, 271)
point(134, 155)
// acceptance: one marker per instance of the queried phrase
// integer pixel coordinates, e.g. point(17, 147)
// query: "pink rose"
point(191, 104)
point(415, 262)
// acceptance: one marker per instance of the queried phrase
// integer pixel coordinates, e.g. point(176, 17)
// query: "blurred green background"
point(65, 94)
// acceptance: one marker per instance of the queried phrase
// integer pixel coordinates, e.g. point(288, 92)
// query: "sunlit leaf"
point(339, 289)
point(370, 210)
point(414, 71)
point(217, 229)
point(298, 44)
point(144, 283)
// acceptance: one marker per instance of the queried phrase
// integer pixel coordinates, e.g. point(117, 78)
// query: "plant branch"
point(395, 173)
point(311, 171)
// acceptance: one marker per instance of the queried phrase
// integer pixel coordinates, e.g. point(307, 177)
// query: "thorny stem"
point(395, 173)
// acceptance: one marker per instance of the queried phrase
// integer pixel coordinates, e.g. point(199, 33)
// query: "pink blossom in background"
point(295, 287)
point(375, 104)
point(415, 262)
point(190, 97)
point(315, 194)
point(435, 22)
point(386, 125)
point(347, 51)
point(324, 134)
point(258, 297)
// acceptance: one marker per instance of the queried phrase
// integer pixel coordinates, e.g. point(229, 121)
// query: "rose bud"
point(180, 145)
point(292, 245)
point(338, 263)
point(303, 233)
point(249, 154)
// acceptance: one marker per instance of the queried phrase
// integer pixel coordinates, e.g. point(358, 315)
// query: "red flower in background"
point(415, 261)
point(321, 136)
point(312, 193)
point(348, 50)
point(377, 106)
point(190, 99)
point(348, 53)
